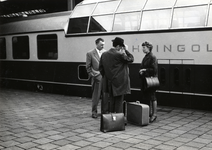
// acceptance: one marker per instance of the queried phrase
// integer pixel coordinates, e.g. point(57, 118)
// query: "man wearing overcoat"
point(114, 68)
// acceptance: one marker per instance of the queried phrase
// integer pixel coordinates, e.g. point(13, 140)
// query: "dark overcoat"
point(149, 63)
point(114, 68)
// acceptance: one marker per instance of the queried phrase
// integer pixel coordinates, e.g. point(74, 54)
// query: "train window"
point(210, 16)
point(106, 7)
point(78, 25)
point(193, 2)
point(127, 22)
point(47, 46)
point(127, 5)
point(176, 76)
point(20, 46)
point(83, 10)
point(156, 19)
point(188, 76)
point(189, 16)
point(101, 23)
point(2, 48)
point(163, 76)
point(155, 4)
point(82, 73)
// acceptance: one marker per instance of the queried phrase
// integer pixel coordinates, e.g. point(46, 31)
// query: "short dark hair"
point(148, 45)
point(98, 40)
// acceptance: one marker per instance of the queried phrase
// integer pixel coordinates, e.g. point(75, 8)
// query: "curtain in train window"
point(2, 48)
point(20, 46)
point(156, 19)
point(189, 16)
point(78, 25)
point(101, 23)
point(47, 46)
point(127, 22)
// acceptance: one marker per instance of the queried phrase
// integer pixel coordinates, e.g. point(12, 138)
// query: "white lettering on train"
point(179, 48)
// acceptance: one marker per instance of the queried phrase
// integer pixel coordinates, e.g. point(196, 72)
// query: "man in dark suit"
point(92, 66)
point(114, 67)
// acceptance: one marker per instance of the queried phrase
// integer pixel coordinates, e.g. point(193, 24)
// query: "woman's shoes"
point(152, 119)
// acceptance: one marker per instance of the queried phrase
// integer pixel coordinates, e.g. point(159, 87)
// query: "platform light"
point(24, 13)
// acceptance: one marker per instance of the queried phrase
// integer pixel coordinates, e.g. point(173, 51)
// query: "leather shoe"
point(153, 118)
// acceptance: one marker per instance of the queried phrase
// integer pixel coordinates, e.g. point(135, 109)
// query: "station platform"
point(43, 121)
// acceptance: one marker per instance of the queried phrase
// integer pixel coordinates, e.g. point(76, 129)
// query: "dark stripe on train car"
point(189, 89)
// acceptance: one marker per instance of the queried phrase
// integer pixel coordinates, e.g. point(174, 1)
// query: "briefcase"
point(137, 113)
point(112, 122)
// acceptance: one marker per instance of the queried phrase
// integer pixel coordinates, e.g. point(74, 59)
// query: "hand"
point(126, 47)
point(141, 71)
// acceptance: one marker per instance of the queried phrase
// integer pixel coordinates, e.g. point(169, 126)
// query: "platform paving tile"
point(44, 121)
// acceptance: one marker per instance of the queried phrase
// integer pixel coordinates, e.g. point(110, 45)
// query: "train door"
point(181, 75)
point(176, 82)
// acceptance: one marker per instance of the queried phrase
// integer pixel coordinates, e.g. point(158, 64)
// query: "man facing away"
point(92, 66)
point(114, 67)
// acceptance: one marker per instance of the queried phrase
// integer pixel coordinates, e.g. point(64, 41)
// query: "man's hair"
point(98, 40)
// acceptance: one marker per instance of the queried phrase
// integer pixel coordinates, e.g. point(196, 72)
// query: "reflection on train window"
point(83, 10)
point(20, 47)
point(189, 16)
point(176, 76)
point(78, 25)
point(127, 22)
point(47, 46)
point(153, 20)
point(155, 4)
point(128, 5)
point(163, 76)
point(210, 17)
point(2, 48)
point(101, 23)
point(82, 73)
point(95, 26)
point(106, 7)
point(188, 76)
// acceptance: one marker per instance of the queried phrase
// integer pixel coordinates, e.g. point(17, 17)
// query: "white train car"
point(48, 52)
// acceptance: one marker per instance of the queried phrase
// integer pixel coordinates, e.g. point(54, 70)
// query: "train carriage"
point(47, 52)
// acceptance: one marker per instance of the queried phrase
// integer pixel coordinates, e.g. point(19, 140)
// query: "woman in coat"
point(149, 68)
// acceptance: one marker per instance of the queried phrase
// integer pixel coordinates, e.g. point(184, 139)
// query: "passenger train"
point(48, 52)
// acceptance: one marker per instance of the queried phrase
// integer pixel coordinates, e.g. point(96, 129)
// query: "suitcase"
point(137, 113)
point(112, 122)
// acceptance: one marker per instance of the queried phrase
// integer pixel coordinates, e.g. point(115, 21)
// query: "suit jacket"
point(92, 63)
point(114, 67)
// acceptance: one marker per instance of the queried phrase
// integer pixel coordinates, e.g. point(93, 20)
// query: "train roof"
point(37, 23)
point(93, 16)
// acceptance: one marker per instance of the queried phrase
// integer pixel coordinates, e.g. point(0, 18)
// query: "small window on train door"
point(47, 46)
point(20, 46)
point(82, 73)
point(2, 48)
point(163, 76)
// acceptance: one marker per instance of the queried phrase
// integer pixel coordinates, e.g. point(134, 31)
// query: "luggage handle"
point(138, 102)
point(113, 117)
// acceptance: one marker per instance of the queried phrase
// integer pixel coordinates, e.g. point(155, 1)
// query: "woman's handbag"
point(151, 83)
point(112, 122)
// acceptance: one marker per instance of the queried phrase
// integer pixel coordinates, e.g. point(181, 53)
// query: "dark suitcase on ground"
point(137, 113)
point(112, 122)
